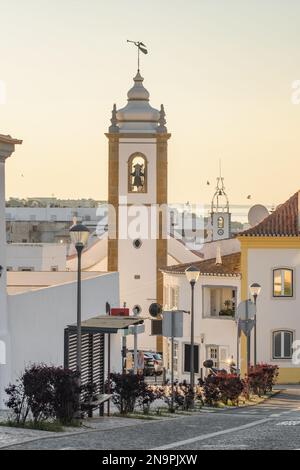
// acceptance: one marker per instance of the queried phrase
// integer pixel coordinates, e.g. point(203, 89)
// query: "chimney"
point(218, 254)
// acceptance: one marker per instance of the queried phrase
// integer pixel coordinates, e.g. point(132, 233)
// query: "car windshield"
point(148, 355)
point(157, 357)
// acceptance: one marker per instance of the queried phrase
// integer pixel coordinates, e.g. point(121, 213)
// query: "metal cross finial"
point(140, 47)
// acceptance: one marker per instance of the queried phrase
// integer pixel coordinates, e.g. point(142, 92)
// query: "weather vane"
point(140, 47)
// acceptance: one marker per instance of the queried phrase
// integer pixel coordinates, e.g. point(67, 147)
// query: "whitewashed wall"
point(37, 320)
point(38, 256)
point(274, 313)
point(212, 331)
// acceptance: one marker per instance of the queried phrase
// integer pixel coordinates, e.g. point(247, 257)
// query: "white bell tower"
point(137, 186)
point(7, 147)
point(220, 213)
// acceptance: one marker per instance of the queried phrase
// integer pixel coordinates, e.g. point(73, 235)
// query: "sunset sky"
point(223, 69)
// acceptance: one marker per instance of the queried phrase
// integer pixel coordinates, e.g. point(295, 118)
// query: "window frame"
point(282, 331)
point(129, 165)
point(221, 286)
point(273, 283)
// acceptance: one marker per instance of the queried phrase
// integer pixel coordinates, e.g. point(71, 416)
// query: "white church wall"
point(37, 320)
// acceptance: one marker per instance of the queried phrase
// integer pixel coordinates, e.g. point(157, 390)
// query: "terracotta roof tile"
point(284, 221)
point(231, 266)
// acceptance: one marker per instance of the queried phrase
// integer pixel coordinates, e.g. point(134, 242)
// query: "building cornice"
point(265, 242)
point(137, 135)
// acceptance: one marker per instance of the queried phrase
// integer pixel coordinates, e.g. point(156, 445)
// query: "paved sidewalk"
point(10, 435)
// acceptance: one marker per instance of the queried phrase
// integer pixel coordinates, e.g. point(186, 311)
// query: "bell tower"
point(220, 213)
point(137, 197)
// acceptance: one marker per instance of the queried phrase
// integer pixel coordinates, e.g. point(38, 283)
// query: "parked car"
point(153, 363)
point(149, 363)
point(158, 363)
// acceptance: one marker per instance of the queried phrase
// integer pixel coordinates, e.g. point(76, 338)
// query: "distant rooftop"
point(230, 266)
point(52, 202)
point(283, 222)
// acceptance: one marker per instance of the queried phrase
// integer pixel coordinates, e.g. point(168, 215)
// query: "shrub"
point(222, 387)
point(17, 402)
point(148, 394)
point(65, 397)
point(260, 379)
point(183, 395)
point(231, 387)
point(126, 389)
point(211, 390)
point(38, 388)
point(42, 393)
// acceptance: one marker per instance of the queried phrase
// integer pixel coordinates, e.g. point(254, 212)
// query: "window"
point(282, 283)
point(54, 268)
point(137, 173)
point(213, 354)
point(219, 302)
point(282, 344)
point(187, 358)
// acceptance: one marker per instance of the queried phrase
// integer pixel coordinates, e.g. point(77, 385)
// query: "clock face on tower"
point(137, 173)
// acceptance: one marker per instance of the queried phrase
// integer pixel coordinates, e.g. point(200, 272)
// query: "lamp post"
point(192, 274)
point(255, 291)
point(79, 236)
point(135, 342)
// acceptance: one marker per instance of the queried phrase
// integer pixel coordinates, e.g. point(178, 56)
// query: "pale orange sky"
point(222, 68)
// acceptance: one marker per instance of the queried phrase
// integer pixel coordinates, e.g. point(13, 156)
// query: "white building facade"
point(271, 257)
point(217, 293)
point(36, 257)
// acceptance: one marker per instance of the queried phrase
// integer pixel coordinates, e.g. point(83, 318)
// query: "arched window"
point(282, 344)
point(220, 222)
point(282, 282)
point(137, 173)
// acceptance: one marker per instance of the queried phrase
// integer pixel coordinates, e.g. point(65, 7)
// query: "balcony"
point(219, 302)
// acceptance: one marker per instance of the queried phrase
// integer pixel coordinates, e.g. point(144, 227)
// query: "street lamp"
point(192, 274)
point(255, 291)
point(79, 236)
